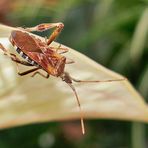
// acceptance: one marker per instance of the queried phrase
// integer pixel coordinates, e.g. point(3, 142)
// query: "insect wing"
point(25, 42)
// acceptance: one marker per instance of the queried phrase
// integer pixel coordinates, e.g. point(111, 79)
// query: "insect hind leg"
point(3, 48)
point(13, 57)
point(45, 26)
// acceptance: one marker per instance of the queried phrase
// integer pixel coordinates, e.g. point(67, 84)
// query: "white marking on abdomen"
point(29, 60)
point(21, 53)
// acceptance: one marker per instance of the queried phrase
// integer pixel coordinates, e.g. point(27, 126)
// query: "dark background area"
point(106, 31)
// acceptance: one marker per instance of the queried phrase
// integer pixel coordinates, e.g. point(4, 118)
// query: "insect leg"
point(45, 26)
point(69, 61)
point(62, 50)
point(3, 48)
point(13, 56)
point(37, 72)
point(27, 72)
point(56, 32)
point(17, 60)
point(59, 49)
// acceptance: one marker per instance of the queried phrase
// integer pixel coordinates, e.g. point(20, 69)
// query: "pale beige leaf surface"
point(26, 100)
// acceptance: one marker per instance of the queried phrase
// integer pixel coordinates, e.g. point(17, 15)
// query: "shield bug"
point(39, 54)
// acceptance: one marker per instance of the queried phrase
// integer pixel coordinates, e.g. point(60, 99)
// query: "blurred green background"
point(112, 32)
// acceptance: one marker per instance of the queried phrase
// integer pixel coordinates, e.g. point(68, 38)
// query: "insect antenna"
point(97, 81)
point(85, 81)
point(81, 116)
point(67, 78)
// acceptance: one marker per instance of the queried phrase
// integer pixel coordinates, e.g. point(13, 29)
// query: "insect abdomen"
point(23, 55)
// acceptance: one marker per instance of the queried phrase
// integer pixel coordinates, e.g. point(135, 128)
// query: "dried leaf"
point(30, 100)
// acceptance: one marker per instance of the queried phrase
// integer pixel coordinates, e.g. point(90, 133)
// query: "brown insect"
point(39, 54)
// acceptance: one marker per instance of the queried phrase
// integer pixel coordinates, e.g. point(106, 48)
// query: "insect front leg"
point(62, 50)
point(69, 61)
point(37, 72)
